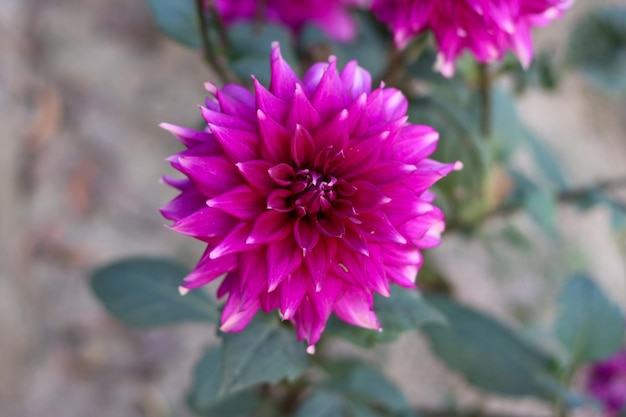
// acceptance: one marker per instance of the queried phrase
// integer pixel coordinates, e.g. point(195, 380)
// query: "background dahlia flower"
point(331, 16)
point(487, 28)
point(311, 196)
point(607, 383)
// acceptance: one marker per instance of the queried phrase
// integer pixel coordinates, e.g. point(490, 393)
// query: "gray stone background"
point(83, 85)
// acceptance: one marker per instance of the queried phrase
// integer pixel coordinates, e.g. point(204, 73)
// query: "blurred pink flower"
point(332, 16)
point(607, 383)
point(487, 28)
point(311, 196)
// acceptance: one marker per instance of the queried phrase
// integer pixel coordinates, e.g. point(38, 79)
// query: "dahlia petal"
point(308, 325)
point(282, 260)
point(234, 318)
point(284, 79)
point(377, 228)
point(338, 24)
point(270, 227)
point(280, 200)
point(282, 174)
point(424, 231)
point(324, 98)
point(415, 142)
point(402, 275)
point(358, 122)
point(356, 80)
point(305, 234)
point(238, 145)
point(224, 120)
point(355, 240)
point(234, 242)
point(256, 173)
point(252, 276)
point(313, 76)
point(333, 133)
point(302, 147)
point(302, 112)
point(367, 197)
point(330, 225)
point(387, 173)
point(189, 137)
point(292, 291)
point(395, 104)
point(324, 300)
point(276, 139)
point(208, 270)
point(318, 260)
point(206, 222)
point(186, 203)
point(241, 202)
point(212, 175)
point(357, 308)
point(236, 100)
point(269, 104)
point(427, 173)
point(522, 45)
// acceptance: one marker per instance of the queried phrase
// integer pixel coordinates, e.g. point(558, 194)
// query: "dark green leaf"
point(489, 355)
point(251, 46)
point(178, 19)
point(589, 325)
point(203, 395)
point(265, 351)
point(404, 310)
point(598, 47)
point(322, 404)
point(365, 385)
point(143, 292)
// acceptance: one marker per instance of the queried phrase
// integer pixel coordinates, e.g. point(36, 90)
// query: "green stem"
point(484, 84)
point(207, 45)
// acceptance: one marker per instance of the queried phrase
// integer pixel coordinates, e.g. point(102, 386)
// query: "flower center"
point(308, 192)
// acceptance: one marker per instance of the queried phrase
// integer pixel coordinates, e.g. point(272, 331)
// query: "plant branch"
point(207, 46)
point(484, 84)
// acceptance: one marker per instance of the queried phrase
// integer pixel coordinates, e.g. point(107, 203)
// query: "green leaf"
point(179, 20)
point(538, 201)
point(265, 351)
point(598, 47)
point(143, 292)
point(251, 46)
point(322, 404)
point(489, 355)
point(589, 325)
point(404, 310)
point(365, 385)
point(370, 48)
point(545, 159)
point(203, 398)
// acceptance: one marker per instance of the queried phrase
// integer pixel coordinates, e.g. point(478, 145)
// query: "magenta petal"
point(257, 175)
point(415, 142)
point(230, 122)
point(206, 222)
point(233, 243)
point(234, 317)
point(188, 137)
point(276, 139)
point(282, 260)
point(270, 227)
point(308, 324)
point(292, 291)
point(318, 260)
point(236, 100)
point(284, 79)
point(333, 133)
point(355, 240)
point(302, 147)
point(212, 175)
point(241, 202)
point(330, 225)
point(367, 197)
point(356, 80)
point(186, 203)
point(378, 228)
point(305, 234)
point(209, 269)
point(282, 174)
point(238, 145)
point(302, 112)
point(357, 308)
point(269, 104)
point(326, 97)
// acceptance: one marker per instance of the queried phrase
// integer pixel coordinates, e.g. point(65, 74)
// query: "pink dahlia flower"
point(607, 383)
point(332, 16)
point(311, 196)
point(487, 28)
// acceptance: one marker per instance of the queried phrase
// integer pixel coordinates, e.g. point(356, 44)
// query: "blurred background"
point(83, 86)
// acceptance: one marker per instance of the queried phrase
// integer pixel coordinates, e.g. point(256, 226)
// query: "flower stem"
point(207, 46)
point(484, 84)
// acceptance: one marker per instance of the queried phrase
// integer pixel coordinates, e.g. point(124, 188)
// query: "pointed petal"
point(234, 242)
point(282, 259)
point(270, 227)
point(257, 175)
point(269, 104)
point(306, 234)
point(333, 133)
point(238, 145)
point(377, 228)
point(355, 79)
point(188, 137)
point(292, 291)
point(206, 222)
point(241, 202)
point(212, 175)
point(224, 120)
point(186, 203)
point(302, 112)
point(284, 79)
point(276, 139)
point(302, 147)
point(357, 308)
point(209, 269)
